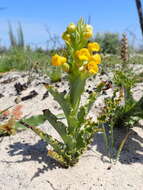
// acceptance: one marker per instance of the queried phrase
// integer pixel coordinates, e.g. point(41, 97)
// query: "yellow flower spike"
point(71, 28)
point(93, 46)
point(83, 54)
point(96, 58)
point(92, 67)
point(58, 60)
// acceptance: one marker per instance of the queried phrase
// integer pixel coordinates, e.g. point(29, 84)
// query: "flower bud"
point(66, 36)
point(87, 35)
point(88, 28)
point(66, 67)
point(71, 28)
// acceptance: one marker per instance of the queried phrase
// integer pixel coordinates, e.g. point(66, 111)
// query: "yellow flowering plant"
point(81, 61)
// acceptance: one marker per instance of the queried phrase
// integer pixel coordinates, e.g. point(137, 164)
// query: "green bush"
point(109, 42)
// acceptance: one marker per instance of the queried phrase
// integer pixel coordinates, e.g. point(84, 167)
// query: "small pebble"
point(1, 95)
point(64, 92)
point(94, 89)
point(56, 85)
point(45, 95)
point(87, 91)
point(18, 100)
point(90, 92)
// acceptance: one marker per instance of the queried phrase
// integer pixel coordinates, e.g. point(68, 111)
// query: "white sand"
point(24, 164)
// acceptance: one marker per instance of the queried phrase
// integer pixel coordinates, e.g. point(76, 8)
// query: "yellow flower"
point(66, 37)
point(96, 58)
point(71, 28)
point(83, 54)
point(92, 67)
point(93, 46)
point(58, 60)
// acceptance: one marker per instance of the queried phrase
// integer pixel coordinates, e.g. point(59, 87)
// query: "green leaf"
point(58, 158)
point(58, 146)
point(73, 124)
point(34, 120)
point(84, 110)
point(82, 114)
point(60, 128)
point(59, 97)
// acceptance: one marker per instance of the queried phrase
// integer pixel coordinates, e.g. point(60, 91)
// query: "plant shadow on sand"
point(132, 151)
point(36, 152)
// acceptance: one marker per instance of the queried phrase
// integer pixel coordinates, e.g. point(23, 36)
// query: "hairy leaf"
point(58, 146)
point(59, 97)
point(84, 110)
point(34, 120)
point(59, 127)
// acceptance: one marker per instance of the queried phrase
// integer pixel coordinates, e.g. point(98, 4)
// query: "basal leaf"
point(34, 120)
point(59, 127)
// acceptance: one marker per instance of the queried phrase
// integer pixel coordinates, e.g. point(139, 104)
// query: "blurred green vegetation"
point(109, 42)
point(22, 59)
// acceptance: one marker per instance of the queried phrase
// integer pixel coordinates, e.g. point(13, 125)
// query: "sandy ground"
point(24, 164)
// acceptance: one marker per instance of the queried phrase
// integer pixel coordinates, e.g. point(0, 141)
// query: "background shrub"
point(109, 42)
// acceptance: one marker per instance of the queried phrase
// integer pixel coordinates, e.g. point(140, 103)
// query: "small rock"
point(64, 92)
point(87, 90)
point(90, 92)
point(56, 85)
point(20, 87)
point(1, 95)
point(45, 95)
point(31, 95)
point(18, 100)
point(94, 89)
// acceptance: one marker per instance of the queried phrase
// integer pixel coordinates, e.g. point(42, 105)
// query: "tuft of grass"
point(22, 60)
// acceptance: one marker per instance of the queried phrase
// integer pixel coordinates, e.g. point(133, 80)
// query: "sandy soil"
point(24, 164)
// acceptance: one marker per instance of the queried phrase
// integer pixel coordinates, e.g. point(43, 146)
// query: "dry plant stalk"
point(124, 48)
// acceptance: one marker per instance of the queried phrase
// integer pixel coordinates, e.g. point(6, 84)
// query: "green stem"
point(77, 84)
